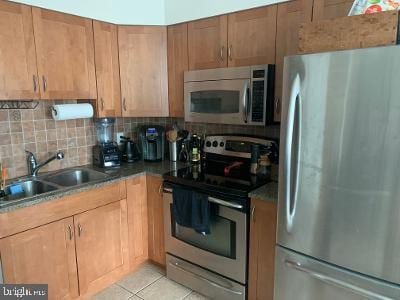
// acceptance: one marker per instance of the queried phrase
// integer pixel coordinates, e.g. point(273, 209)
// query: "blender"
point(106, 152)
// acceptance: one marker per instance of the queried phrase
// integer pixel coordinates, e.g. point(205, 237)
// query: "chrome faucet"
point(34, 167)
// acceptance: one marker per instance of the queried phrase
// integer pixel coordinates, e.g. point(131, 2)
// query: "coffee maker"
point(106, 152)
point(152, 142)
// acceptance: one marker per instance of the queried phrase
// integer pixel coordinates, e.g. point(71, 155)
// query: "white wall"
point(148, 12)
point(177, 11)
point(133, 12)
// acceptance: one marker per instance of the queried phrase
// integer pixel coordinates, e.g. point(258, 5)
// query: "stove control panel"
point(233, 145)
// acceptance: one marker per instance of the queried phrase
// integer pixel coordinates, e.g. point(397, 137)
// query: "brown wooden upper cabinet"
point(178, 63)
point(107, 69)
point(251, 36)
point(18, 72)
point(46, 255)
point(330, 9)
point(290, 15)
point(143, 70)
point(65, 55)
point(207, 43)
point(238, 39)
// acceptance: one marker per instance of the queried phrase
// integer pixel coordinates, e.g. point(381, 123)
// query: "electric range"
point(215, 264)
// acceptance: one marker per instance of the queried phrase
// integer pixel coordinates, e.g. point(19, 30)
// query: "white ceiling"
point(150, 12)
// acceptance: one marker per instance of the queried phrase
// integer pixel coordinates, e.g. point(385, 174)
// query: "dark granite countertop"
point(267, 192)
point(126, 171)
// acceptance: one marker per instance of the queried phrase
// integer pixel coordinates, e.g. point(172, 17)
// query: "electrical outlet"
point(119, 134)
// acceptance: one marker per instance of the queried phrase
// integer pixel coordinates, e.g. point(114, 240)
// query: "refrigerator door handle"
point(335, 282)
point(293, 122)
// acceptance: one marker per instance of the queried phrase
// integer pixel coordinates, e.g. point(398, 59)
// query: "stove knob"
point(215, 144)
point(208, 144)
point(222, 144)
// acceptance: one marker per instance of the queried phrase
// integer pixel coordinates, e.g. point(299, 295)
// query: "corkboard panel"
point(363, 31)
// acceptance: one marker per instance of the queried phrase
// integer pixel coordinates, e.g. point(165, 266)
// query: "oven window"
point(218, 101)
point(220, 241)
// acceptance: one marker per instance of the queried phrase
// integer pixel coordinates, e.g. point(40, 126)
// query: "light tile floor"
point(147, 283)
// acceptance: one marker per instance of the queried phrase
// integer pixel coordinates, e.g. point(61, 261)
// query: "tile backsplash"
point(36, 131)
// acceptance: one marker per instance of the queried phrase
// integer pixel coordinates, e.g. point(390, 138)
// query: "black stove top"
point(211, 178)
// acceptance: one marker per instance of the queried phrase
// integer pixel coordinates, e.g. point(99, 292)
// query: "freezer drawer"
point(302, 278)
point(203, 281)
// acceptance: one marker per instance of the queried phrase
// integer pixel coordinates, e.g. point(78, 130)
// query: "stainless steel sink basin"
point(75, 177)
point(29, 188)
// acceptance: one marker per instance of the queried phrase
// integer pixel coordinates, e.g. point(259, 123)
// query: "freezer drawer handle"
point(214, 284)
point(335, 282)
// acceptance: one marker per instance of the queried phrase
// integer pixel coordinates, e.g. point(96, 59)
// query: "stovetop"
point(210, 178)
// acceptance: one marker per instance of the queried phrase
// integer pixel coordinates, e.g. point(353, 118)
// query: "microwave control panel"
point(261, 94)
point(258, 95)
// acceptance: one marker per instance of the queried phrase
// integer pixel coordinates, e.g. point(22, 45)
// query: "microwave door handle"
point(245, 108)
point(294, 114)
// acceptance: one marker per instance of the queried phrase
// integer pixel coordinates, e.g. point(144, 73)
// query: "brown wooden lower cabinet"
point(101, 244)
point(95, 245)
point(262, 250)
point(156, 219)
point(43, 255)
point(138, 236)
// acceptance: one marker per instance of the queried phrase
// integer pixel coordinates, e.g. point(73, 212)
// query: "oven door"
point(223, 251)
point(217, 101)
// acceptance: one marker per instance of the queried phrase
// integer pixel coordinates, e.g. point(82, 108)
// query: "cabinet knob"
point(230, 52)
point(221, 53)
point(102, 103)
point(253, 217)
point(34, 84)
point(80, 230)
point(124, 103)
point(44, 83)
point(70, 233)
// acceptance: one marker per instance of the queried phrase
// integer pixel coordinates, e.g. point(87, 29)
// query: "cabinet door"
point(65, 55)
point(207, 41)
point(251, 37)
point(156, 219)
point(330, 9)
point(18, 74)
point(43, 255)
point(290, 15)
point(107, 69)
point(136, 192)
point(178, 63)
point(101, 236)
point(143, 69)
point(262, 250)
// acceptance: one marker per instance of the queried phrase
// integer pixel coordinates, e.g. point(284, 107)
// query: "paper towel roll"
point(72, 111)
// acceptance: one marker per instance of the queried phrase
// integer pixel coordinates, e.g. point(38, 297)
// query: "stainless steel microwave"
point(240, 95)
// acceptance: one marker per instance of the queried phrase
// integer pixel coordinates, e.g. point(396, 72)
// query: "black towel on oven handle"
point(191, 209)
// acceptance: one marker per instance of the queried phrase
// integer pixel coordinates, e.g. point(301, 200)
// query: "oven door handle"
point(213, 200)
point(214, 284)
point(225, 203)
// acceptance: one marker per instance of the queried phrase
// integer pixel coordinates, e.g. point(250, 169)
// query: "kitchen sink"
point(75, 177)
point(29, 188)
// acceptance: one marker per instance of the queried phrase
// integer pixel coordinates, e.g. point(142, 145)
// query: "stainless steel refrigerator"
point(339, 183)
